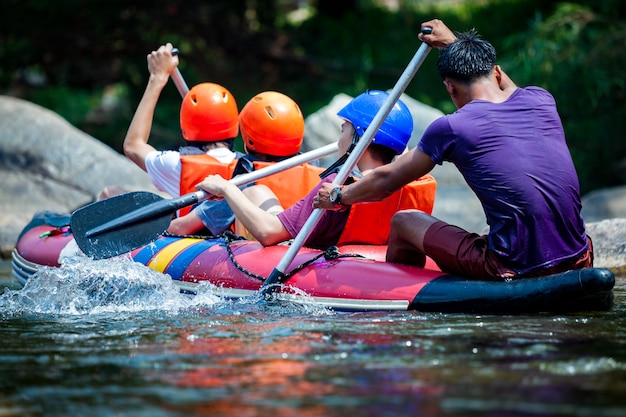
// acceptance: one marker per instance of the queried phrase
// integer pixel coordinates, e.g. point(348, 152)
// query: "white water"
point(82, 286)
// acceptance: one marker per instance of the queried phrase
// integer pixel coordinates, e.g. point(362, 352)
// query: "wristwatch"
point(335, 197)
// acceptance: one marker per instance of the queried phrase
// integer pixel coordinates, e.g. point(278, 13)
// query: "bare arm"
point(160, 64)
point(380, 182)
point(186, 225)
point(265, 227)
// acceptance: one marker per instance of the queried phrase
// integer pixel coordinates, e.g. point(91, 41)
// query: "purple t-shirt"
point(515, 158)
point(328, 229)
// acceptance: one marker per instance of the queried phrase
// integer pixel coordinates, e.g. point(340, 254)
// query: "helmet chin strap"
point(336, 166)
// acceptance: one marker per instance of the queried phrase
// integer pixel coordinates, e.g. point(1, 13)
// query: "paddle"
point(277, 275)
point(177, 78)
point(125, 222)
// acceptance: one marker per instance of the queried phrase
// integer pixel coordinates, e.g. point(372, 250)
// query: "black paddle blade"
point(120, 224)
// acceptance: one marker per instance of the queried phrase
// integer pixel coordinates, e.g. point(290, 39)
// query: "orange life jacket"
point(194, 168)
point(370, 223)
point(290, 186)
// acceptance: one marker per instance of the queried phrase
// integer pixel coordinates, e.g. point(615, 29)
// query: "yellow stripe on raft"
point(162, 259)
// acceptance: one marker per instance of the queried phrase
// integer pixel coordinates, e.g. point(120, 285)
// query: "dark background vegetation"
point(86, 60)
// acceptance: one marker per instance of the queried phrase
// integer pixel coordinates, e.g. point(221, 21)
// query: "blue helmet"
point(395, 131)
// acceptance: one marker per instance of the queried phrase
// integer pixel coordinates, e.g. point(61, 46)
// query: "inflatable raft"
point(353, 278)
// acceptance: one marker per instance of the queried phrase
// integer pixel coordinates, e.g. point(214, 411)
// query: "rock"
point(602, 204)
point(47, 164)
point(609, 244)
point(324, 126)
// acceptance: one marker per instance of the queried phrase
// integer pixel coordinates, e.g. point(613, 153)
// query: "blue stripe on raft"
point(146, 254)
point(179, 264)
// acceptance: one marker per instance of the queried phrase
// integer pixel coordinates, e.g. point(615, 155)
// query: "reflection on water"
point(114, 338)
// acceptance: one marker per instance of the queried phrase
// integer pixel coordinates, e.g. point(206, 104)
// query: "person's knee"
point(110, 191)
point(411, 226)
point(258, 191)
point(409, 219)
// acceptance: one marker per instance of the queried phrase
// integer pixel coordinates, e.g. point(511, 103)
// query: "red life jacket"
point(370, 223)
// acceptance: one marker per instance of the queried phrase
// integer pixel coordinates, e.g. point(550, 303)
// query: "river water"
point(112, 338)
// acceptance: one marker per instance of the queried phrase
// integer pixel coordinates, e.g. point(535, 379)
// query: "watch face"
point(334, 195)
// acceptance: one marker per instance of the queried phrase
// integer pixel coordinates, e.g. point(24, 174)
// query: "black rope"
point(231, 256)
point(232, 237)
point(329, 254)
point(205, 237)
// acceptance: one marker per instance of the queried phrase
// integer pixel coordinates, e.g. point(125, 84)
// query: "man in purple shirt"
point(509, 145)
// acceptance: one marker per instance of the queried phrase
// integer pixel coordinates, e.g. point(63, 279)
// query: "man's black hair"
point(466, 59)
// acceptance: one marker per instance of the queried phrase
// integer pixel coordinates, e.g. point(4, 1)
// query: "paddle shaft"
point(278, 273)
point(275, 168)
point(177, 77)
point(170, 206)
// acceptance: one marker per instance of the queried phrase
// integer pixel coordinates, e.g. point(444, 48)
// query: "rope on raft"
point(329, 254)
point(229, 237)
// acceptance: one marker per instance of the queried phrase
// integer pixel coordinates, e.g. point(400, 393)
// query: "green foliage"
point(578, 55)
point(370, 47)
point(72, 56)
point(74, 104)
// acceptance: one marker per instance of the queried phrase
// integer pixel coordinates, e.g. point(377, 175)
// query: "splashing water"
point(82, 286)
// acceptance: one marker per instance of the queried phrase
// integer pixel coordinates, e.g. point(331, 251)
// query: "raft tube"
point(352, 278)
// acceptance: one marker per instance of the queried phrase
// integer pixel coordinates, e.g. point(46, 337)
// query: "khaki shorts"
point(457, 251)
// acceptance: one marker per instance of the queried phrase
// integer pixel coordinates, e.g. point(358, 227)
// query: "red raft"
point(352, 278)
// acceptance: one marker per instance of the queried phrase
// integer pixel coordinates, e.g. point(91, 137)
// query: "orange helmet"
point(208, 114)
point(272, 123)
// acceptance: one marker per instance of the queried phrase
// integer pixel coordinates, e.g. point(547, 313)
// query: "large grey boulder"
point(603, 204)
point(47, 164)
point(604, 212)
point(609, 244)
